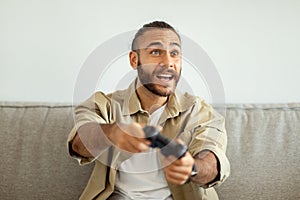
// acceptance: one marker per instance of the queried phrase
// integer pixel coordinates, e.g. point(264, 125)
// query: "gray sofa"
point(263, 148)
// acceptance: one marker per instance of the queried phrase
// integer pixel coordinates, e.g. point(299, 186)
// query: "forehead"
point(161, 37)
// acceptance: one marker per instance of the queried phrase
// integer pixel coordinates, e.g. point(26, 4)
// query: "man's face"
point(159, 61)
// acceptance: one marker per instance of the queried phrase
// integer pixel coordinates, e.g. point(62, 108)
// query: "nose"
point(168, 61)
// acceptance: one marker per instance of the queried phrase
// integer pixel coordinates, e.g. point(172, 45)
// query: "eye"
point(174, 53)
point(155, 52)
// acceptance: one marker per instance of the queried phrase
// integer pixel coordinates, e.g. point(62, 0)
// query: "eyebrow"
point(160, 44)
point(154, 44)
point(175, 44)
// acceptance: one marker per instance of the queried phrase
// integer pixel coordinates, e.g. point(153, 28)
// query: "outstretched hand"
point(128, 137)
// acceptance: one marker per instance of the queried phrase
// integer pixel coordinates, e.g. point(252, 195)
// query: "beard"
point(147, 80)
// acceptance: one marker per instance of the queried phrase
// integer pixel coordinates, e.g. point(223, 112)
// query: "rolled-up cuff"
point(224, 170)
point(81, 160)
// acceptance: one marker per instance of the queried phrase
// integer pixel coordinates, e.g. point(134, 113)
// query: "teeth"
point(165, 76)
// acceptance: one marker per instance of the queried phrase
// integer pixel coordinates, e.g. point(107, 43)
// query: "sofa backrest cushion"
point(34, 158)
point(263, 149)
point(264, 152)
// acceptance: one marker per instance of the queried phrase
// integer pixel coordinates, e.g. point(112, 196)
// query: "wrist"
point(108, 129)
point(193, 173)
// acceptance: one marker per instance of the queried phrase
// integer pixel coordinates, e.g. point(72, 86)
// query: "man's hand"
point(92, 138)
point(178, 171)
point(128, 137)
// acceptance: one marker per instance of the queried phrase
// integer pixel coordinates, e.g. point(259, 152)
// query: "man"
point(109, 130)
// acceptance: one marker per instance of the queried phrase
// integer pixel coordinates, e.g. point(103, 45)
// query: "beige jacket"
point(186, 117)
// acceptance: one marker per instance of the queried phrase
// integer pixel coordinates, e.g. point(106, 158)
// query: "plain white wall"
point(254, 44)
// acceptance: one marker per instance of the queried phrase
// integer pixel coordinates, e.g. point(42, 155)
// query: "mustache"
point(166, 71)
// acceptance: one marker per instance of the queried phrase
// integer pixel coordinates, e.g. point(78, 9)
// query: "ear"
point(133, 59)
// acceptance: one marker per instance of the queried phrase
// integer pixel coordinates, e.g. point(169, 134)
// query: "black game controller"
point(167, 147)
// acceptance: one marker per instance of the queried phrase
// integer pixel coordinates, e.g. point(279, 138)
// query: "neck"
point(150, 102)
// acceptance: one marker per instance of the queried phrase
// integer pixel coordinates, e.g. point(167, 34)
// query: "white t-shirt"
point(141, 176)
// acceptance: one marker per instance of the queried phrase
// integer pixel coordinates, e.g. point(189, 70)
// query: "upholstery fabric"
point(263, 149)
point(34, 160)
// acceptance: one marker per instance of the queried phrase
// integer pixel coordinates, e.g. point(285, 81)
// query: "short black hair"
point(149, 26)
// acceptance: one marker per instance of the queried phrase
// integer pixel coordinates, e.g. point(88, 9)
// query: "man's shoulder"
point(187, 100)
point(118, 95)
point(192, 97)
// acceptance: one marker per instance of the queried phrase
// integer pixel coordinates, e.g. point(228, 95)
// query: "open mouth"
point(165, 77)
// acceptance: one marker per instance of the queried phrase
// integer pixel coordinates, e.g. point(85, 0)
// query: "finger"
point(138, 144)
point(187, 160)
point(178, 166)
point(176, 178)
point(136, 130)
point(170, 160)
point(133, 129)
point(144, 140)
point(159, 128)
point(180, 141)
point(131, 144)
point(142, 145)
point(136, 147)
point(184, 161)
point(180, 169)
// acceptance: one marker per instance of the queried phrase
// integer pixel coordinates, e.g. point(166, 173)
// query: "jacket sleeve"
point(207, 130)
point(87, 112)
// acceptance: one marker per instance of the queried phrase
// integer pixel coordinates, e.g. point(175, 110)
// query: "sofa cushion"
point(263, 149)
point(34, 159)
